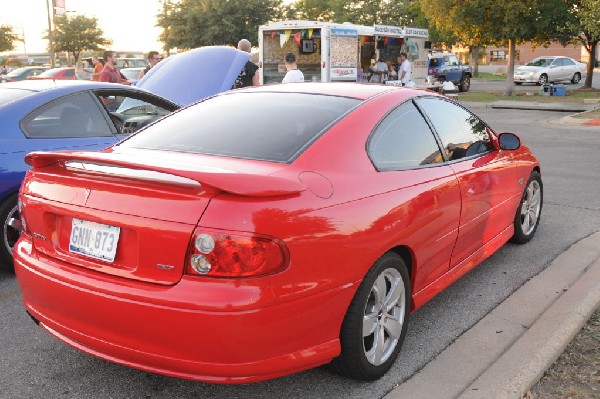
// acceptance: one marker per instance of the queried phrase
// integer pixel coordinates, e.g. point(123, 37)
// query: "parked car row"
point(22, 73)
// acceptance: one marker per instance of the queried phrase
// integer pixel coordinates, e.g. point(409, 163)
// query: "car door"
point(569, 68)
point(454, 68)
point(488, 181)
point(404, 151)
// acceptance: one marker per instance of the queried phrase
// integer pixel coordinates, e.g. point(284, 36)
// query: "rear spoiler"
point(218, 180)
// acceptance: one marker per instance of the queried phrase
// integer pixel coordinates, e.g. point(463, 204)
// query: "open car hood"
point(195, 74)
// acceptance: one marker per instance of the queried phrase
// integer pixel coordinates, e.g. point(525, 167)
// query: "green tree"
point(583, 25)
point(311, 10)
point(78, 33)
point(7, 38)
point(371, 12)
point(189, 24)
point(484, 22)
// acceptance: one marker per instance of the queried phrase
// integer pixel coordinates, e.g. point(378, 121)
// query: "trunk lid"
point(78, 204)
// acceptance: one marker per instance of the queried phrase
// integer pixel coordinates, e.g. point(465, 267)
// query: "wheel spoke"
point(526, 223)
point(379, 288)
point(533, 217)
point(393, 327)
point(396, 292)
point(378, 345)
point(369, 323)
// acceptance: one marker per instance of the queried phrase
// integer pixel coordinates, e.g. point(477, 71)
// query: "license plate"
point(95, 240)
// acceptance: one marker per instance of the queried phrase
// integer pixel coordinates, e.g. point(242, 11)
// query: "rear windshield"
point(10, 95)
point(264, 126)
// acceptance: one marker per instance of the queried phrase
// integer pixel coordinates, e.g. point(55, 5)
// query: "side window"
point(557, 62)
point(453, 60)
point(446, 60)
point(76, 115)
point(403, 140)
point(462, 133)
point(567, 62)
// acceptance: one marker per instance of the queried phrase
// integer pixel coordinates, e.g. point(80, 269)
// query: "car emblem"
point(165, 267)
point(86, 196)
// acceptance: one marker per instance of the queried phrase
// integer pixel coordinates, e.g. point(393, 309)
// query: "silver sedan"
point(550, 69)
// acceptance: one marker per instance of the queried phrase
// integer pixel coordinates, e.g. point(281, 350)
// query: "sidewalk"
point(507, 352)
point(572, 108)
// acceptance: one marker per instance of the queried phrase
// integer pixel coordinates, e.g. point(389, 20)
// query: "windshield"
point(264, 126)
point(541, 62)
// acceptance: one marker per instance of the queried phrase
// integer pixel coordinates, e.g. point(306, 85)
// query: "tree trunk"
point(590, 66)
point(476, 66)
point(510, 70)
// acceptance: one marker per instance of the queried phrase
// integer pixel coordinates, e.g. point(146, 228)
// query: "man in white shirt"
point(293, 75)
point(378, 69)
point(404, 69)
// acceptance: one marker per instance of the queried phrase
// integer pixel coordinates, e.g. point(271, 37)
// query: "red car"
point(60, 74)
point(269, 230)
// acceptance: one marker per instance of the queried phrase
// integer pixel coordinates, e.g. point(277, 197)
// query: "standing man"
point(293, 75)
point(378, 68)
point(153, 59)
point(110, 73)
point(404, 69)
point(249, 74)
point(98, 66)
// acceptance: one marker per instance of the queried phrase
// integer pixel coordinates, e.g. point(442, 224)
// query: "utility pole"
point(50, 35)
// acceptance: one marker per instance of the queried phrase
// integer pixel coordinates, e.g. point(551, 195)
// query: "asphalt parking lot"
point(34, 364)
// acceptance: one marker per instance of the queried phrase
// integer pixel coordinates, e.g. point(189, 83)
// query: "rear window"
point(264, 126)
point(10, 95)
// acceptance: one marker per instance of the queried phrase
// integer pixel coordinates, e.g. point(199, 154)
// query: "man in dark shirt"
point(249, 74)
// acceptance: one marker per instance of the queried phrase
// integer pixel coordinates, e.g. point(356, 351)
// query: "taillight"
point(432, 71)
point(233, 254)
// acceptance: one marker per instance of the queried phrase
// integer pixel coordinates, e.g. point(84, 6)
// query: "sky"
point(128, 23)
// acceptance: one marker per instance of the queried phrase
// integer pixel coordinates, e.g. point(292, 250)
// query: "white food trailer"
point(328, 52)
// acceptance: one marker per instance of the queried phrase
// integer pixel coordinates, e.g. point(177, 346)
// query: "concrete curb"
point(507, 352)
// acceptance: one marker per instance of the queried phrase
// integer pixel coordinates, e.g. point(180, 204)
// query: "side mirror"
point(509, 141)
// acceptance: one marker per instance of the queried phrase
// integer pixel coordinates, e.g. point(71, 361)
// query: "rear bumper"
point(164, 330)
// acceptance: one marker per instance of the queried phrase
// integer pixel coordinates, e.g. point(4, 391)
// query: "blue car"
point(82, 115)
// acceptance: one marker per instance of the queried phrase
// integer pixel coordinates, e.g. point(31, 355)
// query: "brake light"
point(233, 254)
point(432, 71)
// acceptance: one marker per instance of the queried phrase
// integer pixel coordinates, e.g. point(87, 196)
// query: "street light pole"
point(50, 35)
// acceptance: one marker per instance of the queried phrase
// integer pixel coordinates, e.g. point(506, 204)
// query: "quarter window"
point(403, 140)
point(77, 115)
point(462, 133)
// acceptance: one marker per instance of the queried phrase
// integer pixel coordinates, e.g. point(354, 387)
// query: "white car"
point(550, 69)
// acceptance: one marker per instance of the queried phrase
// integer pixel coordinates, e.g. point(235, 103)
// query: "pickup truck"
point(445, 67)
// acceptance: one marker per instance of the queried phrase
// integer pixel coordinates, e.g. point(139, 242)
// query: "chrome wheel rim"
point(384, 316)
point(10, 235)
point(531, 207)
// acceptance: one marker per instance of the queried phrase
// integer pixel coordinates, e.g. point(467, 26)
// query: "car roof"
point(50, 84)
point(360, 91)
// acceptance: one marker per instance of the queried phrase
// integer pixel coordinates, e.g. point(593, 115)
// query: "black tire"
point(542, 80)
point(527, 217)
point(518, 83)
point(576, 78)
point(360, 358)
point(8, 235)
point(464, 84)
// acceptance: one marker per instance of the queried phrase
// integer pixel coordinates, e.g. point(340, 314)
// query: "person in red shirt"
point(110, 73)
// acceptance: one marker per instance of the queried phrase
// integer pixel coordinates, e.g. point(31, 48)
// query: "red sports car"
point(60, 74)
point(269, 230)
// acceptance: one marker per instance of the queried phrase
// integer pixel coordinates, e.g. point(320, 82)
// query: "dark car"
point(22, 73)
point(445, 67)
